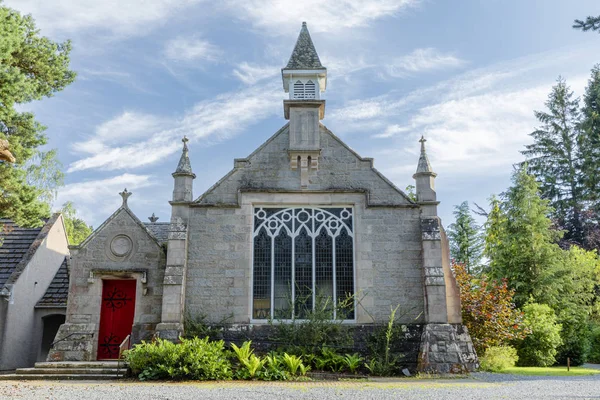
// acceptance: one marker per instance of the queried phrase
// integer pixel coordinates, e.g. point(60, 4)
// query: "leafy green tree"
point(520, 243)
point(77, 229)
point(466, 240)
point(539, 348)
point(574, 305)
point(554, 159)
point(31, 67)
point(590, 23)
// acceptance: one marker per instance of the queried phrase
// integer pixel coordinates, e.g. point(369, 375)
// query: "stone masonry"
point(397, 256)
point(92, 261)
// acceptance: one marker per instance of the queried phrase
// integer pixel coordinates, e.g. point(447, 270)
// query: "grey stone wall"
point(92, 262)
point(447, 348)
point(339, 169)
point(388, 249)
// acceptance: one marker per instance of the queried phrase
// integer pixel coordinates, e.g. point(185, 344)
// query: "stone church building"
point(301, 221)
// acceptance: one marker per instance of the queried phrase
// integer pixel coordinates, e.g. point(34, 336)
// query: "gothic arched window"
point(303, 259)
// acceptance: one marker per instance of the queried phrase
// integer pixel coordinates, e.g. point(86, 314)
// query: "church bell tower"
point(305, 79)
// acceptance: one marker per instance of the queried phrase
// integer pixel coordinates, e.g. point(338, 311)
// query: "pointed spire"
point(423, 166)
point(304, 55)
point(184, 166)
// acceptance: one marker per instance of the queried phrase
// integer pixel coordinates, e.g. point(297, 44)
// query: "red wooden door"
point(116, 316)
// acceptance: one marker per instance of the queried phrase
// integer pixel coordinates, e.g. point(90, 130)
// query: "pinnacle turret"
point(423, 167)
point(184, 167)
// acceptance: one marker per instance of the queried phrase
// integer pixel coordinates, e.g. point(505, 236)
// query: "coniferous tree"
point(466, 241)
point(31, 67)
point(554, 158)
point(520, 243)
point(590, 23)
point(590, 143)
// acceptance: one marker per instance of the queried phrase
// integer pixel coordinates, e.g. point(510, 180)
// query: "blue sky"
point(466, 74)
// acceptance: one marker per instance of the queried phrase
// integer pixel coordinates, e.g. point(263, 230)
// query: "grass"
point(550, 371)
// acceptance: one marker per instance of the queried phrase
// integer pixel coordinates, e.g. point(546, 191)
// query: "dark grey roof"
point(160, 230)
point(304, 55)
point(58, 291)
point(15, 246)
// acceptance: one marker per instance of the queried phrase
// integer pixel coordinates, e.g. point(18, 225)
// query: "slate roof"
point(160, 230)
point(15, 246)
point(304, 55)
point(58, 291)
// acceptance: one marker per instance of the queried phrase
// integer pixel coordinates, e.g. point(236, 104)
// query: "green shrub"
point(352, 362)
point(539, 348)
point(329, 360)
point(274, 368)
point(383, 357)
point(294, 364)
point(198, 359)
point(315, 329)
point(575, 336)
point(594, 356)
point(498, 358)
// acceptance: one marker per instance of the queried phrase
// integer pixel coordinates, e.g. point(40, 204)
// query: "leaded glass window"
point(303, 259)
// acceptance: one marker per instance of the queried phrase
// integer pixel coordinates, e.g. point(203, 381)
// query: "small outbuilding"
point(33, 290)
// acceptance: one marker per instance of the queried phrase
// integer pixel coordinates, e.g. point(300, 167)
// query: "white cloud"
point(392, 130)
point(100, 197)
point(251, 73)
point(476, 123)
point(119, 143)
point(138, 17)
point(281, 16)
point(118, 17)
point(423, 60)
point(191, 49)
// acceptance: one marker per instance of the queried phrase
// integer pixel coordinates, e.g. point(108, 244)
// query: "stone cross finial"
point(153, 218)
point(423, 165)
point(185, 140)
point(125, 195)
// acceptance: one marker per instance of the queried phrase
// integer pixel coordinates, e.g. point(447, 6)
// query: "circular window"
point(121, 245)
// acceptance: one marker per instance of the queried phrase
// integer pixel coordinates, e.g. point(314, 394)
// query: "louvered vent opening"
point(309, 90)
point(298, 90)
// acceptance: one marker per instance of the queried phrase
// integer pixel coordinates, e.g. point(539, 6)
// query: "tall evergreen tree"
point(466, 241)
point(590, 143)
point(520, 243)
point(31, 67)
point(590, 23)
point(554, 158)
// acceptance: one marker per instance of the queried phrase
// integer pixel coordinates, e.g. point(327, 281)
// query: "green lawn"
point(550, 371)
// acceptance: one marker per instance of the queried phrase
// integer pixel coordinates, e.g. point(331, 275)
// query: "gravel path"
point(478, 386)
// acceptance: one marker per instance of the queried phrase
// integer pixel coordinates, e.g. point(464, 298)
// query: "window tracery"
point(303, 258)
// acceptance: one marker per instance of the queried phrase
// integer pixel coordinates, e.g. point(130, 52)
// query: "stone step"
point(80, 364)
point(71, 371)
point(65, 377)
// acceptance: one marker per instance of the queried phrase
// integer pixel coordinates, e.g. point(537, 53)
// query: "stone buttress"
point(171, 326)
point(446, 346)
